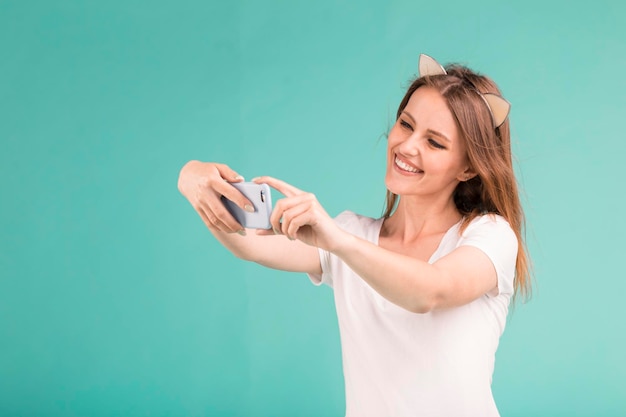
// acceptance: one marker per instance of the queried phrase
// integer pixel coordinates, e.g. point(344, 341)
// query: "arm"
point(203, 184)
point(456, 279)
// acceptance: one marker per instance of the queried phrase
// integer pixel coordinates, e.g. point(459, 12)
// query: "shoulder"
point(357, 224)
point(493, 235)
point(492, 227)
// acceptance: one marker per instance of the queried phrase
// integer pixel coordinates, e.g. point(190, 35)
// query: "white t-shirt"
point(397, 363)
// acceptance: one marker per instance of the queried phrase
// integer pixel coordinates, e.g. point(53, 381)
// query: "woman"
point(422, 293)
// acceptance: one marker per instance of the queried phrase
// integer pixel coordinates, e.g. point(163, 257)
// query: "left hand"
point(300, 216)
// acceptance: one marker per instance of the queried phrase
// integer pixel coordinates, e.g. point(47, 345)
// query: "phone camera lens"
point(263, 196)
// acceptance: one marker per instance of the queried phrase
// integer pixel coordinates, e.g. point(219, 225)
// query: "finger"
point(228, 173)
point(285, 204)
point(295, 218)
point(225, 189)
point(277, 215)
point(275, 222)
point(212, 222)
point(265, 232)
point(288, 208)
point(220, 218)
point(287, 190)
point(227, 222)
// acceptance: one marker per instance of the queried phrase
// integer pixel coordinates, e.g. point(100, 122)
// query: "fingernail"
point(248, 208)
point(254, 179)
point(242, 232)
point(291, 238)
point(276, 232)
point(238, 177)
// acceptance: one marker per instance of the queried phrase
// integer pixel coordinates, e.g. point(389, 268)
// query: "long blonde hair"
point(494, 188)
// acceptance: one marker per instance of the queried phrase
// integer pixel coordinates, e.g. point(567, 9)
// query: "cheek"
point(463, 162)
point(393, 137)
point(391, 144)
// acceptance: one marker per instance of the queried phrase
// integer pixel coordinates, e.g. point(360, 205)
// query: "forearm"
point(276, 252)
point(407, 282)
point(242, 247)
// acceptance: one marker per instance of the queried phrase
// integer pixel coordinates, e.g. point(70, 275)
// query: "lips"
point(406, 166)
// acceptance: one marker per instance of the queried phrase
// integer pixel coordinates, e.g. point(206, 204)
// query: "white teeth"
point(404, 166)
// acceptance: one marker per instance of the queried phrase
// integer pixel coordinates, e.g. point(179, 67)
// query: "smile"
point(406, 167)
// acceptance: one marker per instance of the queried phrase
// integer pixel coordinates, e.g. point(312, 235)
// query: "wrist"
point(342, 243)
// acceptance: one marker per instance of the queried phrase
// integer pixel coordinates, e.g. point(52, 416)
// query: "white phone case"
point(261, 198)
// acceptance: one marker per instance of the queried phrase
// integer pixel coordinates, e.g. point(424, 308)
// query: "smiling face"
point(425, 155)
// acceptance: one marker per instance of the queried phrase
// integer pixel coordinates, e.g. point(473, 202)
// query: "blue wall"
point(114, 299)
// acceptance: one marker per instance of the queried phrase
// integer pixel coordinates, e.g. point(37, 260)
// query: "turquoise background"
point(116, 301)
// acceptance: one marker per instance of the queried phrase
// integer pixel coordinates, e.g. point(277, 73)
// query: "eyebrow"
point(431, 131)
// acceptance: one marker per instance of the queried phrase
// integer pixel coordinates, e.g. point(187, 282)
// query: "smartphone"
point(261, 199)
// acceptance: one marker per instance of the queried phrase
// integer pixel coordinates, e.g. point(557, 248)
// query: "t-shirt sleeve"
point(343, 220)
point(494, 236)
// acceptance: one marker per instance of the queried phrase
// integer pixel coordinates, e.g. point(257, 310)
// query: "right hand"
point(203, 184)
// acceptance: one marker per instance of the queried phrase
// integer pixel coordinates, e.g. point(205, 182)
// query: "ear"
point(467, 175)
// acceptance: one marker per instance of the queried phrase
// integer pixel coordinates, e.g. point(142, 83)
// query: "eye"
point(436, 144)
point(405, 124)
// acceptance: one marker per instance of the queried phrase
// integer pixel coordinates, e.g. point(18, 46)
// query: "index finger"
point(287, 190)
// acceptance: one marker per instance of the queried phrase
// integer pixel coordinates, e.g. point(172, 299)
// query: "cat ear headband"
point(498, 107)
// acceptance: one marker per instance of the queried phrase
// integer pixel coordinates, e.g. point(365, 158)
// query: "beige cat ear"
point(428, 66)
point(499, 108)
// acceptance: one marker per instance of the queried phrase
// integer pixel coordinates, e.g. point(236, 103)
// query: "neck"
point(415, 218)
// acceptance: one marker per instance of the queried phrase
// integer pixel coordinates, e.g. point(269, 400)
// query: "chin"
point(399, 189)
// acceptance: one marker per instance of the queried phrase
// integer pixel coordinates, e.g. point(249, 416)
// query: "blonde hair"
point(494, 188)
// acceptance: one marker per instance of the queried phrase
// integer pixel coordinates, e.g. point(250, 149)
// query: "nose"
point(411, 146)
